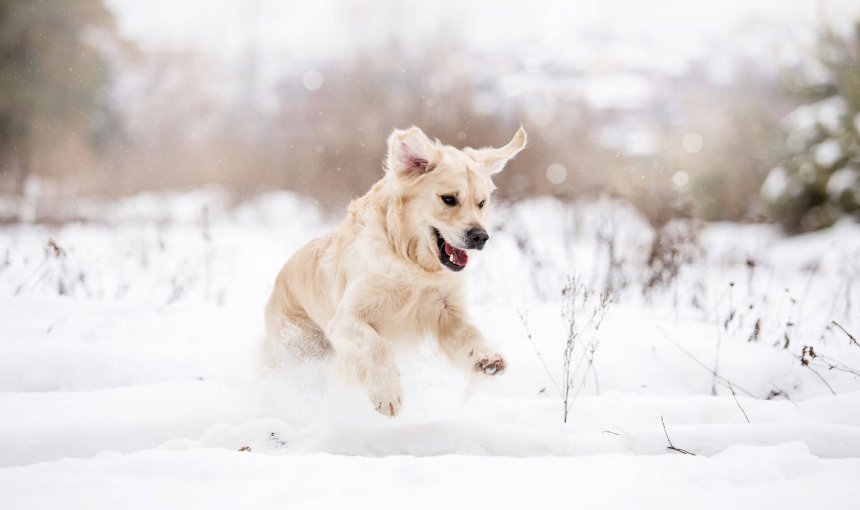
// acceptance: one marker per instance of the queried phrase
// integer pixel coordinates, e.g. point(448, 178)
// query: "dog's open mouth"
point(453, 258)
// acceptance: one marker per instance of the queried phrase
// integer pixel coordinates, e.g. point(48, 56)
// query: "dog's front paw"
point(491, 365)
point(387, 400)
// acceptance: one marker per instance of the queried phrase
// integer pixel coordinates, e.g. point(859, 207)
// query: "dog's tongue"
point(457, 256)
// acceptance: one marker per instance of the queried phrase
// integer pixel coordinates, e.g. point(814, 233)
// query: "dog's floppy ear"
point(410, 152)
point(494, 160)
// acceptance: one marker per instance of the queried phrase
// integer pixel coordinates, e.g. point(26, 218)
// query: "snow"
point(129, 370)
point(775, 184)
point(827, 153)
point(782, 477)
point(828, 113)
point(842, 181)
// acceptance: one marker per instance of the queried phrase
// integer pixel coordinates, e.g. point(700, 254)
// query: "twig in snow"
point(822, 379)
point(52, 249)
point(835, 364)
point(738, 403)
point(851, 338)
point(672, 446)
point(808, 354)
point(525, 322)
point(780, 391)
point(706, 367)
point(55, 248)
point(756, 334)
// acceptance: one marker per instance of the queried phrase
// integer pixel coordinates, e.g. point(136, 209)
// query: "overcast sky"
point(332, 28)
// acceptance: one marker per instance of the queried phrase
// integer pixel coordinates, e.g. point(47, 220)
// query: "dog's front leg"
point(364, 357)
point(463, 343)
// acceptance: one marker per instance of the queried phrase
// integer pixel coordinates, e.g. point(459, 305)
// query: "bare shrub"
point(59, 272)
point(584, 312)
point(675, 242)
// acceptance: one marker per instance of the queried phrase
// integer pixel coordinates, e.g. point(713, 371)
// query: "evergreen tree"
point(818, 180)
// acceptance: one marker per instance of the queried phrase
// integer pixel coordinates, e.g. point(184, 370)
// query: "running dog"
point(393, 269)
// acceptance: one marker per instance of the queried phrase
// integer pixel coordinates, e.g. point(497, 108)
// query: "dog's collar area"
point(453, 258)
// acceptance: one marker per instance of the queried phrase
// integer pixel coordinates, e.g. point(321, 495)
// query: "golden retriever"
point(393, 269)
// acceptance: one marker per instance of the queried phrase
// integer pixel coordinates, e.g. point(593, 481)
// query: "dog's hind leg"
point(290, 334)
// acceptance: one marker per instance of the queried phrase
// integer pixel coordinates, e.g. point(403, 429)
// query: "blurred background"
point(732, 110)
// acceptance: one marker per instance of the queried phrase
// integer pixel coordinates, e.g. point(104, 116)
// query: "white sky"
point(326, 28)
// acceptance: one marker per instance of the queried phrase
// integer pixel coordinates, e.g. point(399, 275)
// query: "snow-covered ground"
point(128, 369)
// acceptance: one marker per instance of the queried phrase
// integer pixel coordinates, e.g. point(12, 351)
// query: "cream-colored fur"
point(379, 278)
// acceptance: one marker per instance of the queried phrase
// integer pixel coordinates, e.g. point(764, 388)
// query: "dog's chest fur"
point(403, 301)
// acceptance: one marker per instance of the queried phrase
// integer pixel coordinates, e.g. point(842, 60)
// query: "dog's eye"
point(481, 204)
point(450, 200)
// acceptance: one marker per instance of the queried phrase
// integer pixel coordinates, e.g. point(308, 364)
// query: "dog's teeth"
point(451, 258)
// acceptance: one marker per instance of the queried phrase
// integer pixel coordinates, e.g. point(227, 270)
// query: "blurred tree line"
point(54, 111)
point(89, 114)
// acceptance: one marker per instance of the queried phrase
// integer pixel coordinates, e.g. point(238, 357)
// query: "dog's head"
point(443, 196)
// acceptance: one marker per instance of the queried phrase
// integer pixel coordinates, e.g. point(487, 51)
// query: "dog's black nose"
point(477, 237)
